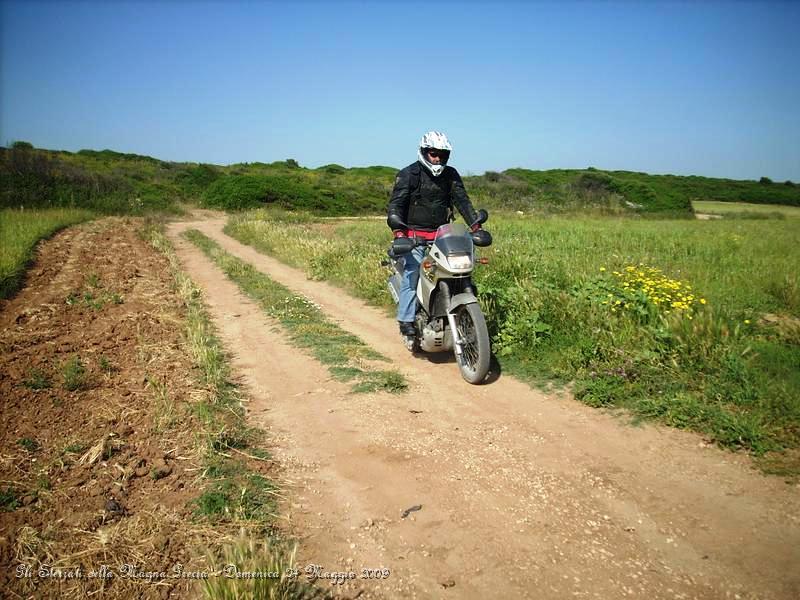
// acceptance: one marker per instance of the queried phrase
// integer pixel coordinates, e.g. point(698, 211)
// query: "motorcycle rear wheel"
point(475, 350)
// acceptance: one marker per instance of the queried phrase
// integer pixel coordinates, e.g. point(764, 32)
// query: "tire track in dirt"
point(523, 494)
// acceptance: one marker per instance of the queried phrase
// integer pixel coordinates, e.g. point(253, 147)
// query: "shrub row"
point(115, 182)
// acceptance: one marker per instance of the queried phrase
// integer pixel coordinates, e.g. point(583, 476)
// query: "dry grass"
point(137, 551)
point(93, 454)
point(265, 569)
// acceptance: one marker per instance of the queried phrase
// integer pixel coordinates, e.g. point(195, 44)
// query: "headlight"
point(460, 261)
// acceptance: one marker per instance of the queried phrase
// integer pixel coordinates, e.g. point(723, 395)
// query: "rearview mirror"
point(482, 238)
point(483, 216)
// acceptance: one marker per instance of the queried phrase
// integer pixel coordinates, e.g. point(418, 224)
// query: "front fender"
point(461, 300)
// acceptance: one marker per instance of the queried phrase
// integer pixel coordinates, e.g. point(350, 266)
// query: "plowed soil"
point(518, 493)
point(97, 463)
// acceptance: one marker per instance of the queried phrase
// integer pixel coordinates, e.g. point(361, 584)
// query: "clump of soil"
point(100, 463)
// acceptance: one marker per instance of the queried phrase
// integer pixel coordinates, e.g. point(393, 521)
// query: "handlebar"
point(395, 221)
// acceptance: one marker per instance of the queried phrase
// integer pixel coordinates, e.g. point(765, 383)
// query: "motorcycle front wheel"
point(471, 326)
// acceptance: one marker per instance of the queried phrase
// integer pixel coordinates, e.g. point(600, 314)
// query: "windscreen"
point(453, 238)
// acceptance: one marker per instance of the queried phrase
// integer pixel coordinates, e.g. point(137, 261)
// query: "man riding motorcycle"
point(423, 197)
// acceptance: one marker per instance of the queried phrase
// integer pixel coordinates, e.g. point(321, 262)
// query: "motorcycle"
point(448, 316)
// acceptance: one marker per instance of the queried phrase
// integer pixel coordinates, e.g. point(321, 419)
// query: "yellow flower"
point(702, 300)
point(747, 321)
point(602, 269)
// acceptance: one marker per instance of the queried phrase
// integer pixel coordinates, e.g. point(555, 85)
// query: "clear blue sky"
point(707, 88)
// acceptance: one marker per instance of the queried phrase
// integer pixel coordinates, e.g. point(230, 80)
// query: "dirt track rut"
point(523, 494)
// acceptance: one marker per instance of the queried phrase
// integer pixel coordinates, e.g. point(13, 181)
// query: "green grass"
point(75, 448)
point(729, 372)
point(29, 444)
point(344, 354)
point(20, 231)
point(9, 499)
point(37, 380)
point(734, 209)
point(105, 365)
point(93, 301)
point(74, 375)
point(239, 496)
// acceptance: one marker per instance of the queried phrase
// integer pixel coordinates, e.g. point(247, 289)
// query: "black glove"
point(402, 245)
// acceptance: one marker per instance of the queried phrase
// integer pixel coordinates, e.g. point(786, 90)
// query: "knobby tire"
point(474, 360)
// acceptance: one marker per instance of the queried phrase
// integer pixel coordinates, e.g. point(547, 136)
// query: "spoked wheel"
point(471, 327)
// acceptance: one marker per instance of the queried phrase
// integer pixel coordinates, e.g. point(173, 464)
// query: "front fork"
point(451, 319)
point(444, 291)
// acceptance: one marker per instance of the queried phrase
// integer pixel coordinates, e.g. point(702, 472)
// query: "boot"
point(407, 328)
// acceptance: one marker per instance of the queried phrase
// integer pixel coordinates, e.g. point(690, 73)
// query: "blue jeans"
point(406, 307)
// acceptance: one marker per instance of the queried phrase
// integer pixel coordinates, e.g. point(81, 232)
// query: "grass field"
point(745, 209)
point(694, 323)
point(20, 231)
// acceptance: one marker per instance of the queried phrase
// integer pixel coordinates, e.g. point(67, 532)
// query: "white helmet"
point(438, 141)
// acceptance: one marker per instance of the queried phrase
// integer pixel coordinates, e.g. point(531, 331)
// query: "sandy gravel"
point(522, 494)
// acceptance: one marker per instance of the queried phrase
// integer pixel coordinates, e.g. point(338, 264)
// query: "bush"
point(237, 192)
point(595, 182)
point(641, 195)
point(333, 169)
point(765, 180)
point(659, 195)
point(40, 179)
point(196, 178)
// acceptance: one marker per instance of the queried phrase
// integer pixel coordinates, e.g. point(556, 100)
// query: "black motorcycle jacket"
point(425, 202)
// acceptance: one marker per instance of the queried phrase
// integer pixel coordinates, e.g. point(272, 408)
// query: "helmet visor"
point(436, 153)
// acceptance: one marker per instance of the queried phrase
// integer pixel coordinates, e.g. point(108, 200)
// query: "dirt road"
point(522, 494)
